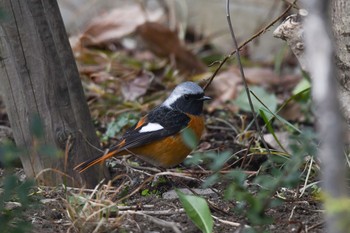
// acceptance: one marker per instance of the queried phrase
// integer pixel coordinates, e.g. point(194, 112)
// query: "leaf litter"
point(128, 65)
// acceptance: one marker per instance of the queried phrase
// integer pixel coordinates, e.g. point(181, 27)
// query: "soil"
point(49, 214)
point(146, 210)
point(296, 216)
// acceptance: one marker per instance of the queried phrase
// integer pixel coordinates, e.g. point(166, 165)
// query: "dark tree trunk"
point(341, 31)
point(38, 76)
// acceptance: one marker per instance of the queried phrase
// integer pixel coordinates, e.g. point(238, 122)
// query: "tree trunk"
point(320, 58)
point(341, 31)
point(38, 76)
point(319, 62)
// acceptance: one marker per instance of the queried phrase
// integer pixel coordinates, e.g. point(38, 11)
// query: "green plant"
point(116, 126)
point(258, 94)
point(13, 191)
point(197, 210)
point(282, 170)
point(90, 212)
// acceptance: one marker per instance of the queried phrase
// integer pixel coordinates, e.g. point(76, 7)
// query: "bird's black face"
point(190, 103)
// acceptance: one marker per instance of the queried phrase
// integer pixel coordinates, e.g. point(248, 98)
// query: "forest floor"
point(155, 208)
point(245, 185)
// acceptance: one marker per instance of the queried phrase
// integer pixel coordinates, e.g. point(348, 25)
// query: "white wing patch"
point(150, 127)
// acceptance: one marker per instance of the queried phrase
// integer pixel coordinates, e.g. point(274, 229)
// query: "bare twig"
point(244, 158)
point(226, 123)
point(315, 226)
point(52, 170)
point(177, 174)
point(158, 221)
point(292, 4)
point(243, 76)
point(153, 212)
point(140, 171)
point(263, 30)
point(151, 169)
point(307, 177)
point(87, 190)
point(135, 190)
point(89, 143)
point(234, 224)
point(292, 213)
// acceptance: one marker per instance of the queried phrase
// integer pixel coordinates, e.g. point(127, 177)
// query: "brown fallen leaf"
point(283, 138)
point(292, 112)
point(116, 24)
point(165, 43)
point(204, 146)
point(261, 76)
point(225, 87)
point(137, 87)
point(267, 77)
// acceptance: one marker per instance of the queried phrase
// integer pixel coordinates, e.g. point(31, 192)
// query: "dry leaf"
point(267, 78)
point(292, 112)
point(283, 138)
point(165, 43)
point(226, 85)
point(118, 23)
point(137, 87)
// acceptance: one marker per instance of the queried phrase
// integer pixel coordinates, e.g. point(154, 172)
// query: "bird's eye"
point(187, 97)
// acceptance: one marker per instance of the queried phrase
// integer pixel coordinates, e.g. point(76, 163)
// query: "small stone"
point(12, 205)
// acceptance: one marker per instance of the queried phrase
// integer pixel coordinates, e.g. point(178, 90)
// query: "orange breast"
point(172, 150)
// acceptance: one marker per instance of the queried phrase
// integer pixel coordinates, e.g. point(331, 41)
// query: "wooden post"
point(38, 76)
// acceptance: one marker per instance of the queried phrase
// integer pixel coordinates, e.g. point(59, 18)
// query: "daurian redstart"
point(157, 138)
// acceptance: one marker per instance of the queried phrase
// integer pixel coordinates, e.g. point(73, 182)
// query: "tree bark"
point(39, 76)
point(321, 51)
point(341, 29)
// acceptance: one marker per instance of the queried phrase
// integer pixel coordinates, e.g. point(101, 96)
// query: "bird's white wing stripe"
point(150, 127)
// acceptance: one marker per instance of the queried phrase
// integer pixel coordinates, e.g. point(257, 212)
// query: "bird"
point(157, 137)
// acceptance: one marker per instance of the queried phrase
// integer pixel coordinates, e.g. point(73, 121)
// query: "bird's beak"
point(204, 98)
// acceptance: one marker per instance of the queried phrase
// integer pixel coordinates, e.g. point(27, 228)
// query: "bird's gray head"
point(187, 97)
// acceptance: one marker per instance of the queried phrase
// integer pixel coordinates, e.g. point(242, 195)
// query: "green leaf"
point(4, 17)
point(198, 211)
point(302, 86)
point(271, 130)
point(193, 160)
point(220, 160)
point(269, 100)
point(189, 138)
point(145, 192)
point(116, 126)
point(49, 150)
point(36, 126)
point(211, 180)
point(281, 119)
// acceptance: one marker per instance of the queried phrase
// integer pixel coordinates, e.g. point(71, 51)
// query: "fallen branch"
point(158, 221)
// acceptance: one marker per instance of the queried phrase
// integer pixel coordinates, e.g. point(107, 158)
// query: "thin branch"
point(234, 224)
point(172, 225)
point(153, 212)
point(238, 57)
point(263, 30)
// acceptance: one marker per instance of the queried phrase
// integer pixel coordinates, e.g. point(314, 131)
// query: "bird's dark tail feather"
point(91, 162)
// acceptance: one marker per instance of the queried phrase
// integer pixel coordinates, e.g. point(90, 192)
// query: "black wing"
point(173, 121)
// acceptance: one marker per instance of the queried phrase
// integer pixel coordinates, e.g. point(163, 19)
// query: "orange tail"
point(91, 162)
